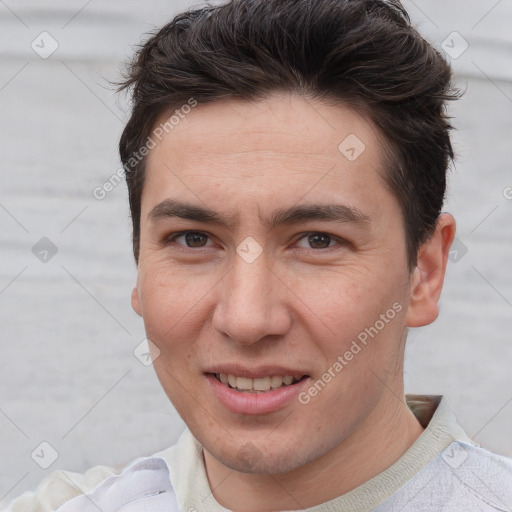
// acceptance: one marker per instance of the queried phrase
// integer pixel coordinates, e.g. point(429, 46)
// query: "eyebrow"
point(285, 216)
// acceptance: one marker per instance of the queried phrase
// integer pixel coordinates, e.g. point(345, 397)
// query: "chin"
point(249, 459)
point(259, 457)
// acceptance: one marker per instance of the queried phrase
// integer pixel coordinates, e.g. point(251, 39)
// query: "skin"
point(300, 304)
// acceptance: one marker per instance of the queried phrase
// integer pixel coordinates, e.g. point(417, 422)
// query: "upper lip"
point(255, 372)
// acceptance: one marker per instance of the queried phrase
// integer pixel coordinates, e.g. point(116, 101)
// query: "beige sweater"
point(190, 488)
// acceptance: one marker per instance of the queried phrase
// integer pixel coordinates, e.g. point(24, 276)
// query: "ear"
point(428, 276)
point(136, 301)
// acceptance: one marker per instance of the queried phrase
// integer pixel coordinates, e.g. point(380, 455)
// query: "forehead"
point(279, 149)
point(278, 122)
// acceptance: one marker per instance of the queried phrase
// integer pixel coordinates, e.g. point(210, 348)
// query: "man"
point(286, 165)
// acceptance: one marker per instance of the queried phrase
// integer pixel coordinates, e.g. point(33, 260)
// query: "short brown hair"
point(364, 53)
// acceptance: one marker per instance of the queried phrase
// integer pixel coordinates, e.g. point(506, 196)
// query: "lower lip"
point(239, 402)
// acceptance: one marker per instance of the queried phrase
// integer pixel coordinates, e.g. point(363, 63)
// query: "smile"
point(259, 385)
point(255, 395)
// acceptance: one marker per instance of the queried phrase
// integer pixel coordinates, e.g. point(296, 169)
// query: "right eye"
point(193, 239)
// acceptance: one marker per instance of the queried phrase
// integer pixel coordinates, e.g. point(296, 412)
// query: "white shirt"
point(443, 471)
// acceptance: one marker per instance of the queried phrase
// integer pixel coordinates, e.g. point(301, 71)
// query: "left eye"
point(193, 239)
point(318, 240)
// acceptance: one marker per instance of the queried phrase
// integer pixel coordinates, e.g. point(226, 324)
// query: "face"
point(269, 253)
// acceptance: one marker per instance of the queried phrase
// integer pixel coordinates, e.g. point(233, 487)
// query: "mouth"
point(257, 394)
point(257, 385)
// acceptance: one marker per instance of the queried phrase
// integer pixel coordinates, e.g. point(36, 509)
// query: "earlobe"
point(136, 301)
point(428, 276)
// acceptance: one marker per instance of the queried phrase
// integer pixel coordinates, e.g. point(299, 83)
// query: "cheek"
point(168, 300)
point(347, 299)
point(362, 318)
point(171, 309)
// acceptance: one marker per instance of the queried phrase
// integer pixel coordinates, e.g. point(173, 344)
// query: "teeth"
point(254, 385)
point(276, 382)
point(244, 383)
point(232, 381)
point(262, 384)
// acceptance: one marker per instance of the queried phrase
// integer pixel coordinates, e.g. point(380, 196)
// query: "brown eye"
point(319, 241)
point(193, 239)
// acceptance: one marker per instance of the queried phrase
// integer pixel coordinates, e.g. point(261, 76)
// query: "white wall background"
point(68, 375)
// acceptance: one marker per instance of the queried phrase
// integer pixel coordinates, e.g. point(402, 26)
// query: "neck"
point(385, 435)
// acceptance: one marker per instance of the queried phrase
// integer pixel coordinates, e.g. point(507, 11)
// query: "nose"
point(252, 303)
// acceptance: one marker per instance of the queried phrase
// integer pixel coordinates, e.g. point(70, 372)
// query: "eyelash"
point(340, 242)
